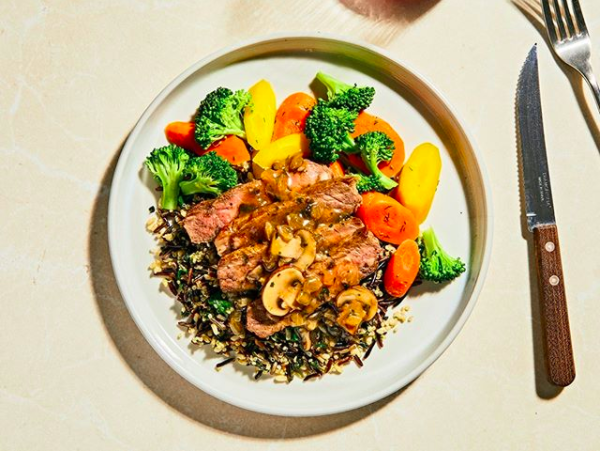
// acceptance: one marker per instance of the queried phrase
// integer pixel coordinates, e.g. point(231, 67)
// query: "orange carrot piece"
point(365, 123)
point(292, 114)
point(337, 169)
point(182, 134)
point(402, 269)
point(387, 218)
point(369, 197)
point(233, 149)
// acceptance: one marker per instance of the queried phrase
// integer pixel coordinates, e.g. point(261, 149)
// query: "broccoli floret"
point(375, 147)
point(167, 165)
point(220, 305)
point(436, 265)
point(219, 115)
point(329, 132)
point(369, 183)
point(343, 95)
point(208, 174)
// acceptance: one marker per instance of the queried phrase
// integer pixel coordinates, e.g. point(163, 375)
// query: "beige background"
point(75, 372)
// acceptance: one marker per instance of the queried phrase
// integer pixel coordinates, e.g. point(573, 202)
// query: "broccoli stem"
point(349, 145)
point(372, 163)
point(199, 185)
point(333, 85)
point(170, 196)
point(236, 132)
point(430, 241)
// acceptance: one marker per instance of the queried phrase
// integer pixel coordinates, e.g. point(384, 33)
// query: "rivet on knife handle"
point(555, 319)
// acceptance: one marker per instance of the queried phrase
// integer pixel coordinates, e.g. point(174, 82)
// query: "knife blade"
point(536, 177)
point(539, 210)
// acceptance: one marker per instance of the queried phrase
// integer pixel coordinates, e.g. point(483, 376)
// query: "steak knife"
point(541, 222)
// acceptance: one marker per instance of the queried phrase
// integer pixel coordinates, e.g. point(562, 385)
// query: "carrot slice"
point(402, 269)
point(365, 123)
point(337, 169)
point(233, 149)
point(182, 134)
point(292, 114)
point(387, 218)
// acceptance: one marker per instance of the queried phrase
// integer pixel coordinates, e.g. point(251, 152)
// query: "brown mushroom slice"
point(281, 290)
point(287, 249)
point(362, 295)
point(309, 252)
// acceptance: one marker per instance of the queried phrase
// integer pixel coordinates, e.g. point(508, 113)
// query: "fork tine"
point(549, 21)
point(579, 17)
point(560, 20)
point(568, 18)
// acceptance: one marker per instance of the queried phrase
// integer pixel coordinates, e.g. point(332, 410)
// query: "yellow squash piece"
point(259, 115)
point(419, 180)
point(280, 150)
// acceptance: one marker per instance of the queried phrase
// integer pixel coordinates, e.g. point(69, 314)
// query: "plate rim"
point(156, 344)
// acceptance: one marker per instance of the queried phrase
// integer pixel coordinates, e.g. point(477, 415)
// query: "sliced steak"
point(240, 270)
point(309, 174)
point(330, 235)
point(236, 269)
point(349, 262)
point(283, 183)
point(263, 324)
point(206, 219)
point(325, 201)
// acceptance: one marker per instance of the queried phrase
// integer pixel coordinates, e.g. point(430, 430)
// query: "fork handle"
point(589, 76)
point(555, 319)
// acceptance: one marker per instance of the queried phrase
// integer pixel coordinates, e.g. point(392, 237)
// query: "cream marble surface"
point(75, 372)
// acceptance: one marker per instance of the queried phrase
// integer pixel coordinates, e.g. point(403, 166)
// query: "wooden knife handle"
point(555, 318)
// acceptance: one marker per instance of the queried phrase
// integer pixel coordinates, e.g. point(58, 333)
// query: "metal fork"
point(570, 38)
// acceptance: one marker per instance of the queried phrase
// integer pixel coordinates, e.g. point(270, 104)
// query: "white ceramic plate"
point(461, 214)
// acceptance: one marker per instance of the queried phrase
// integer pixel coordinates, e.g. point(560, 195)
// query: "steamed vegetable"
point(345, 96)
point(208, 174)
point(402, 269)
point(291, 115)
point(387, 218)
point(366, 123)
point(182, 134)
point(219, 115)
point(368, 183)
point(259, 116)
point(329, 132)
point(337, 169)
point(167, 164)
point(280, 150)
point(232, 149)
point(374, 147)
point(436, 265)
point(419, 180)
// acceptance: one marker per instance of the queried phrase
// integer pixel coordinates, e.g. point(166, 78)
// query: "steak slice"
point(309, 174)
point(348, 263)
point(241, 269)
point(284, 183)
point(206, 219)
point(236, 269)
point(261, 323)
point(325, 201)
